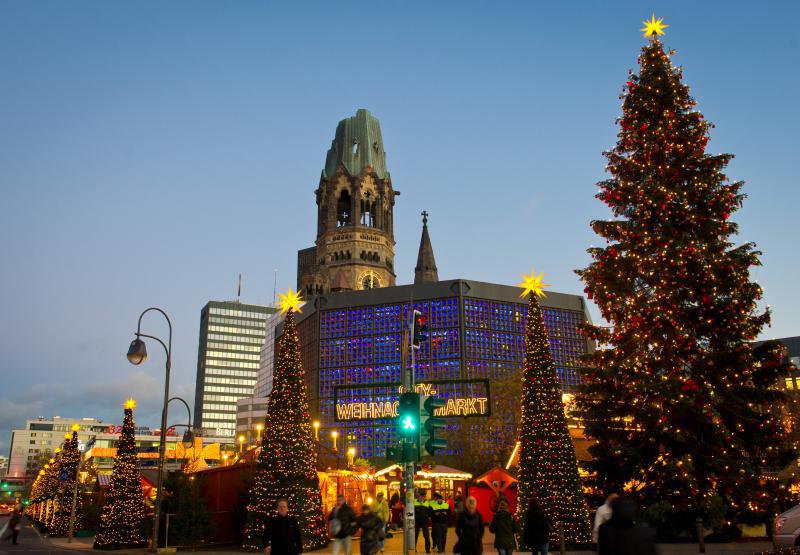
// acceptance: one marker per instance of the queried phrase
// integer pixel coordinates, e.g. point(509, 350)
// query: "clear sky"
point(152, 151)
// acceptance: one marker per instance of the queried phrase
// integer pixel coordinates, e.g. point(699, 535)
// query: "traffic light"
point(408, 417)
point(420, 329)
point(431, 424)
point(5, 484)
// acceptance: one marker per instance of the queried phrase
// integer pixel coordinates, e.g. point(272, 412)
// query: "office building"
point(231, 337)
point(41, 437)
point(250, 414)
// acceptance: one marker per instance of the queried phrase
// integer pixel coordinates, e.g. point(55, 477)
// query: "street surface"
point(30, 542)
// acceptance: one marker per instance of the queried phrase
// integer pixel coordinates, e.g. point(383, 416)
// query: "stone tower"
point(425, 270)
point(355, 202)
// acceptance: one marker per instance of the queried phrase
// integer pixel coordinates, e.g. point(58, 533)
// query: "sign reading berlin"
point(464, 398)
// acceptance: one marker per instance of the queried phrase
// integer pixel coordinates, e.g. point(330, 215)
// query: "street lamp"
point(316, 430)
point(240, 439)
point(188, 435)
point(137, 354)
point(334, 435)
point(259, 427)
point(351, 456)
point(225, 459)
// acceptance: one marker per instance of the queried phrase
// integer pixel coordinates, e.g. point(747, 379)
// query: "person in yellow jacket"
point(381, 509)
point(440, 518)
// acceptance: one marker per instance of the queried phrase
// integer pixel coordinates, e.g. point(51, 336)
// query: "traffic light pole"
point(409, 539)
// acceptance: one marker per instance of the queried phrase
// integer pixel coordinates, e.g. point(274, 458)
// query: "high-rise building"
point(231, 337)
point(354, 248)
point(41, 437)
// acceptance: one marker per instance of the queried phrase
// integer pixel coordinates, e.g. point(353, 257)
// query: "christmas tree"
point(548, 468)
point(678, 397)
point(68, 475)
point(287, 463)
point(122, 519)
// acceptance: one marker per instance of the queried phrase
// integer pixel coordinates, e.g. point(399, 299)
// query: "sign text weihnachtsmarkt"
point(464, 398)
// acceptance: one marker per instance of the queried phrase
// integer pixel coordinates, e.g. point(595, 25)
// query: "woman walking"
point(469, 529)
point(537, 528)
point(505, 529)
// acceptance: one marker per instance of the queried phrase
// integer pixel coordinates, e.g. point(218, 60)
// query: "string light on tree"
point(678, 397)
point(287, 462)
point(122, 517)
point(548, 468)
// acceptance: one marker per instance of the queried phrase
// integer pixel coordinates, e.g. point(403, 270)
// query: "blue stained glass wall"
point(361, 346)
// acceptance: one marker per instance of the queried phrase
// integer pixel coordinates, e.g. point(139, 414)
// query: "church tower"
point(355, 202)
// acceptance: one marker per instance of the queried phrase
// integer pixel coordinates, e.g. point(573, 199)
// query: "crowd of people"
point(616, 530)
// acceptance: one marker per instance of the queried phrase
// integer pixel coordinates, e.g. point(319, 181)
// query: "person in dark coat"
point(342, 523)
point(14, 524)
point(440, 519)
point(622, 535)
point(469, 529)
point(422, 515)
point(537, 528)
point(505, 529)
point(372, 531)
point(282, 533)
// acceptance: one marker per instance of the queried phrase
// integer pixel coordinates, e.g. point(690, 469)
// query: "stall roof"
point(438, 471)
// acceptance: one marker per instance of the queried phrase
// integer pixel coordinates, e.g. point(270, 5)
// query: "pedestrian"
point(342, 522)
point(622, 535)
point(282, 533)
point(458, 504)
point(505, 529)
point(381, 509)
point(372, 531)
point(603, 514)
point(440, 519)
point(397, 511)
point(469, 529)
point(11, 529)
point(421, 517)
point(537, 528)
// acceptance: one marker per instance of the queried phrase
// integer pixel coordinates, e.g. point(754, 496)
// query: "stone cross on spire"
point(425, 271)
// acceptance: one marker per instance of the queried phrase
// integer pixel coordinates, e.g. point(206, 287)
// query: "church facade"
point(352, 326)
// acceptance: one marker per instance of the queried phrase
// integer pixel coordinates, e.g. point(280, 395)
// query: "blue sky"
point(152, 151)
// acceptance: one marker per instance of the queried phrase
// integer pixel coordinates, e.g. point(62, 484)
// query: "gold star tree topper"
point(654, 27)
point(130, 404)
point(533, 284)
point(76, 427)
point(290, 301)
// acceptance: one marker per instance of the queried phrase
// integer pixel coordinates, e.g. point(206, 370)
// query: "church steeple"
point(425, 272)
point(355, 214)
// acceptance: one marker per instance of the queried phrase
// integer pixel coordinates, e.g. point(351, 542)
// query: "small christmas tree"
point(678, 397)
point(548, 468)
point(68, 476)
point(122, 519)
point(287, 463)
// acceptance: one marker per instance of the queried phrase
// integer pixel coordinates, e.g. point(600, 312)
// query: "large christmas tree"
point(287, 463)
point(678, 396)
point(548, 468)
point(70, 458)
point(122, 519)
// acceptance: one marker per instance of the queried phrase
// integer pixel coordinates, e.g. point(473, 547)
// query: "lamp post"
point(137, 354)
point(188, 435)
point(225, 459)
point(334, 435)
point(259, 427)
point(240, 439)
point(351, 456)
point(316, 430)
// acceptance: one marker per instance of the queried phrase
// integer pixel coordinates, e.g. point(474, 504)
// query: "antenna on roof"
point(239, 291)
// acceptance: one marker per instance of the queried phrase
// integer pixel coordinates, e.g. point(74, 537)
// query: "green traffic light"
point(408, 423)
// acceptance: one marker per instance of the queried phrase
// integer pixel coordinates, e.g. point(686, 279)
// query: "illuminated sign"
point(464, 398)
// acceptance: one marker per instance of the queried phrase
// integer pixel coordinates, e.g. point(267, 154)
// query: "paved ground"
point(30, 542)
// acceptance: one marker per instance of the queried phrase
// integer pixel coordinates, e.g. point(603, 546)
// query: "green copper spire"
point(358, 145)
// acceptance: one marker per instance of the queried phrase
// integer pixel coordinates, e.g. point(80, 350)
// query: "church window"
point(343, 206)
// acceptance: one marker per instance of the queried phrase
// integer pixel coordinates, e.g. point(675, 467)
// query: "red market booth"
point(491, 487)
